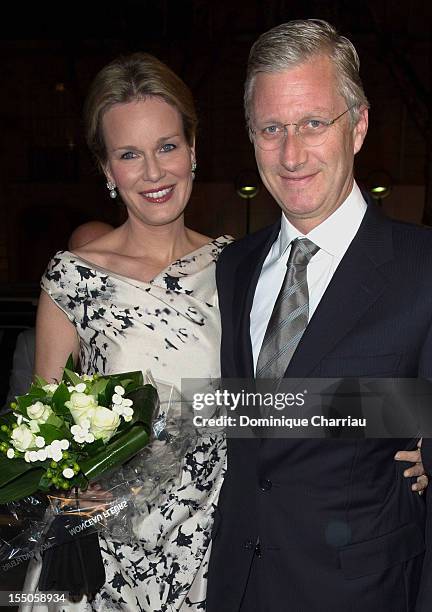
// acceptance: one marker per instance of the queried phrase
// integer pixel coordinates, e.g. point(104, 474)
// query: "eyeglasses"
point(312, 131)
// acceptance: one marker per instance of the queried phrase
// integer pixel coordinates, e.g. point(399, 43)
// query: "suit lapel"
point(247, 276)
point(355, 286)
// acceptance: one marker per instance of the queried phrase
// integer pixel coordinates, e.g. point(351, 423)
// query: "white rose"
point(103, 423)
point(51, 388)
point(81, 387)
point(39, 412)
point(81, 406)
point(22, 438)
point(34, 427)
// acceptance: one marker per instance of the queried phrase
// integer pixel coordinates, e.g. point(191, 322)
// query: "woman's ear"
point(192, 149)
point(110, 182)
point(107, 171)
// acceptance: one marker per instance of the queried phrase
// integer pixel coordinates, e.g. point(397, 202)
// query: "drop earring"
point(194, 167)
point(112, 189)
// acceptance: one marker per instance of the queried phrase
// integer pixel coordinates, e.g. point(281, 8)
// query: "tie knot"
point(302, 251)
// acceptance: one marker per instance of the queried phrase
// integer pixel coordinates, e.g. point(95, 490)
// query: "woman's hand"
point(416, 470)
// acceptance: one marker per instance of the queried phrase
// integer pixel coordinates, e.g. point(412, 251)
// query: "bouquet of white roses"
point(56, 440)
point(64, 435)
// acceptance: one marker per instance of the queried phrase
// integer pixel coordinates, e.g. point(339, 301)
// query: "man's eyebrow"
point(310, 113)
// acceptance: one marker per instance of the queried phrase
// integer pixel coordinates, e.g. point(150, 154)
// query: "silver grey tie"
point(290, 314)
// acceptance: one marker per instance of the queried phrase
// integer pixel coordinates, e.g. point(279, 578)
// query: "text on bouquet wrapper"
point(18, 559)
point(98, 518)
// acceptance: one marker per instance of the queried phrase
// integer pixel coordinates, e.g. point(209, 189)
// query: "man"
point(317, 525)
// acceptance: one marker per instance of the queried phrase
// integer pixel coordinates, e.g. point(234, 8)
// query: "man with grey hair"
point(335, 290)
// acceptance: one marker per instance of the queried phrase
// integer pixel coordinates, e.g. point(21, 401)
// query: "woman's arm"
point(56, 339)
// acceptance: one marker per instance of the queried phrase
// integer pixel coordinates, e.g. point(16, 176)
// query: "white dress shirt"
point(333, 236)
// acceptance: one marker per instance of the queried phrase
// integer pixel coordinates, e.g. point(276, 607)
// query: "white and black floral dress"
point(170, 326)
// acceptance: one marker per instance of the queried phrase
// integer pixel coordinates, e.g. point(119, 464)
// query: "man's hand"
point(416, 470)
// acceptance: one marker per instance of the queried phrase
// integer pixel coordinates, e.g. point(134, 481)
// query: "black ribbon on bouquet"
point(71, 564)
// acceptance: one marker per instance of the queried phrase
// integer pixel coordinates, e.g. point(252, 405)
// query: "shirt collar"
point(333, 235)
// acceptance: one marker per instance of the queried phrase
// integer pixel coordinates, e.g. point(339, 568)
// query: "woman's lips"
point(158, 196)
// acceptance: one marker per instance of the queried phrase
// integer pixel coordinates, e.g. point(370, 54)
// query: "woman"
point(144, 297)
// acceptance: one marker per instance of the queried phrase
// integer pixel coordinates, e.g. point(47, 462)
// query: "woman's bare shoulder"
point(197, 240)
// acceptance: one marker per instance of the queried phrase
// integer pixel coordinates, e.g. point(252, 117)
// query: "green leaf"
point(11, 469)
point(115, 453)
point(131, 380)
point(50, 433)
point(34, 395)
point(35, 390)
point(70, 365)
point(69, 376)
point(104, 387)
point(98, 388)
point(55, 421)
point(22, 486)
point(144, 403)
point(39, 381)
point(94, 447)
point(59, 398)
point(45, 483)
point(109, 391)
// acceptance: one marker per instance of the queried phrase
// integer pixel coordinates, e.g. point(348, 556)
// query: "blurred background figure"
point(87, 232)
point(23, 357)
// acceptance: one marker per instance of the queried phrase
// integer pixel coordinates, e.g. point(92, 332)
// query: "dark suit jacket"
point(339, 527)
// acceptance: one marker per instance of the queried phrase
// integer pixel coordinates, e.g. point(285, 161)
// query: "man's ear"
point(360, 129)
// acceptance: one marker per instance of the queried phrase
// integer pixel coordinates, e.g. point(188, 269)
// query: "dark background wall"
point(50, 52)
